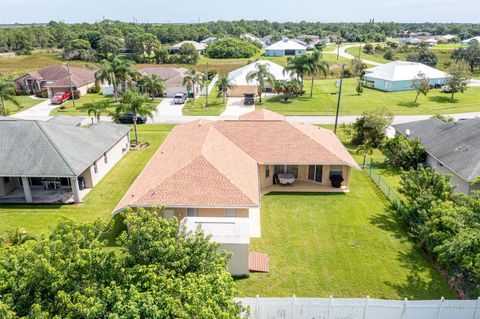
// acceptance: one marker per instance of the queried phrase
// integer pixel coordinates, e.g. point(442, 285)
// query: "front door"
point(315, 173)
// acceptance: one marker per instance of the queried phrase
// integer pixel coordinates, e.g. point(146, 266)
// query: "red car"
point(60, 97)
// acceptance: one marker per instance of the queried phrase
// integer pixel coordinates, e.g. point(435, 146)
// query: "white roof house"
point(198, 46)
point(467, 41)
point(448, 37)
point(240, 85)
point(285, 47)
point(413, 41)
point(398, 75)
point(431, 41)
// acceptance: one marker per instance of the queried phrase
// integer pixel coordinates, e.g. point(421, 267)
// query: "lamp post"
point(339, 99)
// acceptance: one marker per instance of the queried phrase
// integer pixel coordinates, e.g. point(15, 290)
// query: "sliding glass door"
point(315, 173)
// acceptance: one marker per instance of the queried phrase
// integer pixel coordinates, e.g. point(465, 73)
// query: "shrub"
point(94, 89)
point(42, 93)
point(371, 127)
point(388, 55)
point(231, 48)
point(404, 153)
point(76, 94)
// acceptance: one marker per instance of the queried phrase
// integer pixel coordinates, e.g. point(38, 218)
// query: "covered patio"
point(304, 187)
point(43, 196)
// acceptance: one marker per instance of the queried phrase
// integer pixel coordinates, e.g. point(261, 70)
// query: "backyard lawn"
point(324, 101)
point(215, 105)
point(345, 245)
point(99, 203)
point(372, 57)
point(26, 102)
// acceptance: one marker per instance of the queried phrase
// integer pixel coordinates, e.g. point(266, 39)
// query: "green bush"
point(93, 89)
point(231, 48)
point(42, 93)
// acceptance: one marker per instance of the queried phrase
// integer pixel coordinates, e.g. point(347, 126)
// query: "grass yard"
point(26, 102)
point(99, 203)
point(215, 105)
point(324, 101)
point(345, 245)
point(372, 57)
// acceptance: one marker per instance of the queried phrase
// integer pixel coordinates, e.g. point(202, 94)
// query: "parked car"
point(180, 98)
point(60, 97)
point(249, 99)
point(127, 118)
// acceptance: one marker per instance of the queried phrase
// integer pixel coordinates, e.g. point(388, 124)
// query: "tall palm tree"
point(263, 76)
point(364, 150)
point(7, 93)
point(137, 104)
point(223, 85)
point(193, 78)
point(316, 65)
point(298, 65)
point(125, 73)
point(106, 73)
point(97, 108)
point(153, 84)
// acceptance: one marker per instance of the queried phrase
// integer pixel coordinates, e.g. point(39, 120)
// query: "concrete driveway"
point(235, 107)
point(168, 108)
point(41, 111)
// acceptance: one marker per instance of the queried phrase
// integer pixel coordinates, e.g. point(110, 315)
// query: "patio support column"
point(27, 190)
point(75, 189)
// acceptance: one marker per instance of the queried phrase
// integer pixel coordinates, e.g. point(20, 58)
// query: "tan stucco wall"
point(181, 212)
point(239, 91)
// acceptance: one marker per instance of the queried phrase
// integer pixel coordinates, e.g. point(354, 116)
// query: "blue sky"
point(207, 10)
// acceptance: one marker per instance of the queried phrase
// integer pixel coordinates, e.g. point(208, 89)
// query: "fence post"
point(256, 308)
point(292, 307)
point(477, 306)
point(330, 303)
point(365, 308)
point(404, 308)
point(440, 305)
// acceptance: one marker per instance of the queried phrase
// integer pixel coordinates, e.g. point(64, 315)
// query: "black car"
point(249, 99)
point(127, 118)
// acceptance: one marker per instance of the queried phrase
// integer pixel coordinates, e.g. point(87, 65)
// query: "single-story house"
point(467, 41)
point(449, 37)
point(56, 79)
point(209, 40)
point(252, 38)
point(413, 41)
point(233, 235)
point(285, 47)
point(452, 148)
point(240, 85)
point(398, 76)
point(45, 162)
point(173, 78)
point(431, 42)
point(200, 47)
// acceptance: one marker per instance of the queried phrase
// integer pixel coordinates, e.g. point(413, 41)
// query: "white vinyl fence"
point(211, 85)
point(367, 308)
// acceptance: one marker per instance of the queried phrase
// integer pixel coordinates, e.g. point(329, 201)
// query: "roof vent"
point(407, 131)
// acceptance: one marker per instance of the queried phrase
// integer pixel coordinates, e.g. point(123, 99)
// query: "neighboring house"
point(449, 37)
point(221, 168)
point(412, 40)
point(240, 85)
point(252, 38)
point(56, 79)
point(267, 39)
point(200, 47)
point(209, 40)
point(233, 234)
point(173, 78)
point(285, 47)
point(453, 148)
point(398, 76)
point(431, 42)
point(50, 162)
point(467, 41)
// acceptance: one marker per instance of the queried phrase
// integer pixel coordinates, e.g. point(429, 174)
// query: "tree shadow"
point(390, 221)
point(441, 99)
point(408, 104)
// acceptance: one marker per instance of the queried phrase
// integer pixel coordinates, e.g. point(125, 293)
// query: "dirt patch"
point(140, 146)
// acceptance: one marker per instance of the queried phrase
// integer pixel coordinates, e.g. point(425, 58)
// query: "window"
point(192, 212)
point(6, 180)
point(267, 171)
point(286, 169)
point(105, 158)
point(230, 212)
point(315, 173)
point(336, 170)
point(95, 167)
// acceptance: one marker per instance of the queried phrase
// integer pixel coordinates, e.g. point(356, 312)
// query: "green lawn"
point(324, 101)
point(345, 245)
point(372, 57)
point(215, 105)
point(99, 203)
point(87, 98)
point(26, 102)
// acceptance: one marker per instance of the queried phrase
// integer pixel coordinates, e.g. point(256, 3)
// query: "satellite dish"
point(407, 131)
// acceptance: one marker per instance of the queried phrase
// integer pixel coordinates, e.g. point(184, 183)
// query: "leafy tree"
point(161, 54)
point(364, 150)
point(471, 54)
point(262, 75)
point(110, 45)
point(424, 56)
point(192, 79)
point(97, 108)
point(389, 54)
point(153, 84)
point(7, 93)
point(231, 48)
point(368, 48)
point(137, 104)
point(187, 54)
point(20, 42)
point(338, 42)
point(404, 153)
point(224, 84)
point(78, 49)
point(158, 270)
point(421, 84)
point(316, 65)
point(358, 70)
point(106, 73)
point(371, 127)
point(298, 66)
point(459, 77)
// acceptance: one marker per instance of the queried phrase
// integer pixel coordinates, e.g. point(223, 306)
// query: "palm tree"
point(106, 73)
point(124, 72)
point(298, 66)
point(97, 108)
point(316, 65)
point(223, 85)
point(193, 78)
point(137, 104)
point(364, 150)
point(7, 93)
point(17, 237)
point(262, 75)
point(153, 84)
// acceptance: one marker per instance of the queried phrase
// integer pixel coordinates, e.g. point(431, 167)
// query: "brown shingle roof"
point(262, 115)
point(58, 76)
point(170, 75)
point(215, 164)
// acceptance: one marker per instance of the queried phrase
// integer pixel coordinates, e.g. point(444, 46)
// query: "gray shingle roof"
point(44, 149)
point(66, 120)
point(454, 144)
